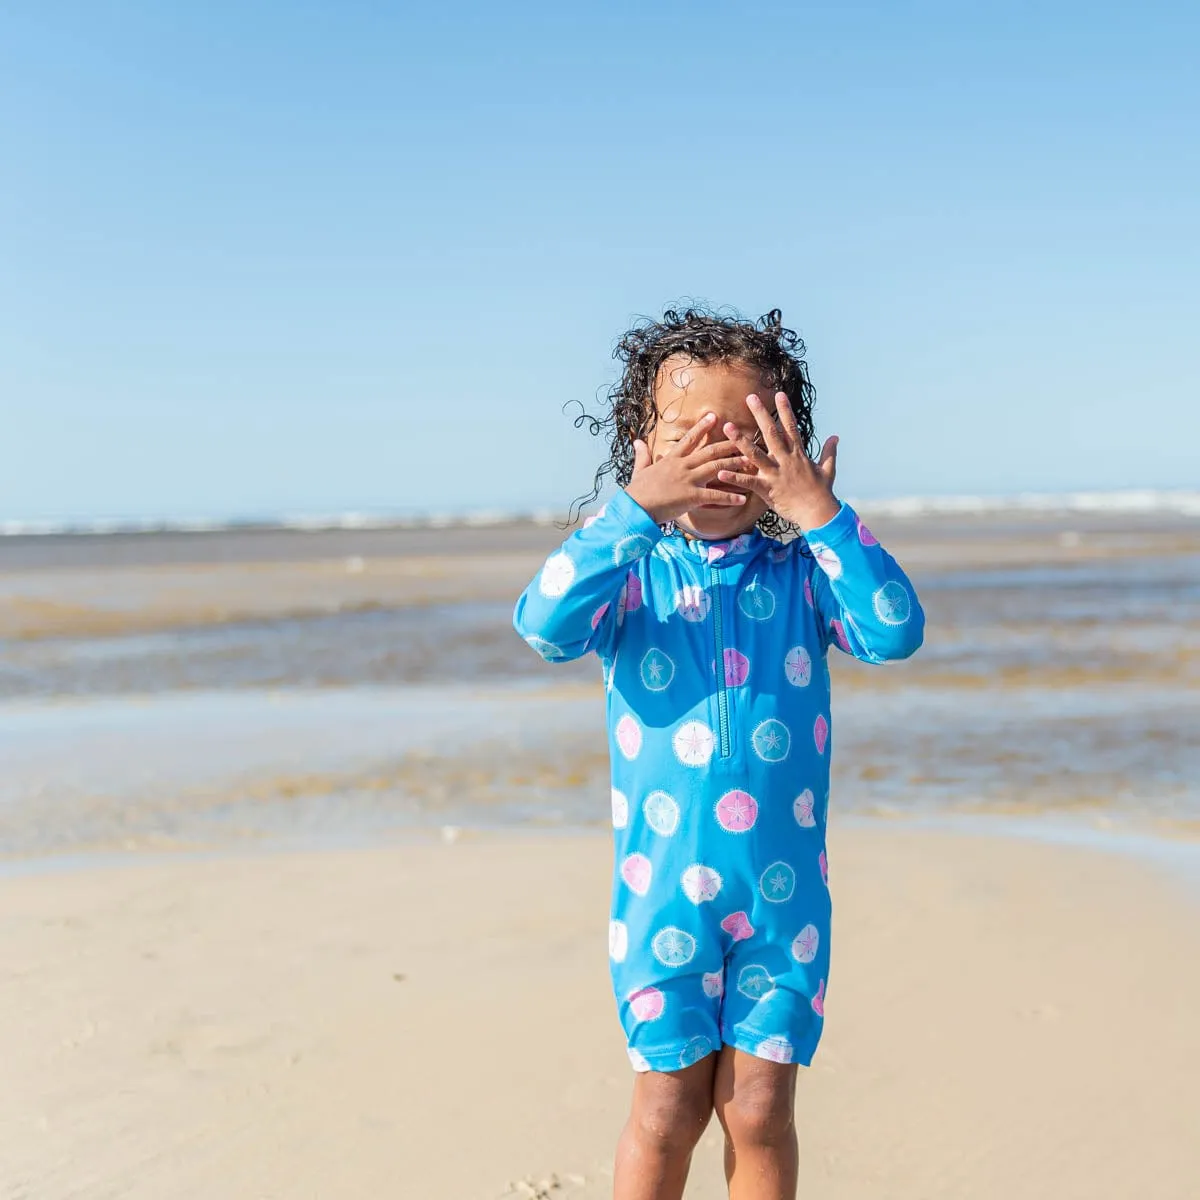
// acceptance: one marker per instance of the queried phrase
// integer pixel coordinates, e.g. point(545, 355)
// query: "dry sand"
point(433, 1021)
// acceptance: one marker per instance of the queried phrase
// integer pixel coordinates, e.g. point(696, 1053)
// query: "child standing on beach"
point(712, 631)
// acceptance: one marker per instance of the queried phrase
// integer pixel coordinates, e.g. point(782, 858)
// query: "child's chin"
point(724, 522)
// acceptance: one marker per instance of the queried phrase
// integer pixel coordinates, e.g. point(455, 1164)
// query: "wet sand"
point(433, 1021)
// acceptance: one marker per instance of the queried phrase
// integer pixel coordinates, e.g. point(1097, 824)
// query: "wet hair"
point(702, 336)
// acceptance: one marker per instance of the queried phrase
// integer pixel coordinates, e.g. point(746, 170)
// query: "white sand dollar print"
point(693, 743)
point(657, 670)
point(757, 601)
point(774, 1049)
point(755, 981)
point(778, 882)
point(830, 563)
point(700, 883)
point(547, 650)
point(637, 1060)
point(630, 549)
point(713, 984)
point(805, 943)
point(692, 603)
point(797, 666)
point(557, 575)
point(620, 809)
point(771, 740)
point(618, 940)
point(661, 811)
point(673, 947)
point(696, 1049)
point(892, 603)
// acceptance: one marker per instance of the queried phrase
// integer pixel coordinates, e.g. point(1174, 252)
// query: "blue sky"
point(267, 257)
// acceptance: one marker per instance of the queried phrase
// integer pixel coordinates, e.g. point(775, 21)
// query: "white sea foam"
point(1178, 502)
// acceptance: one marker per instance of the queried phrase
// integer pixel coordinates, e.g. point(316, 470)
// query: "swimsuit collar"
point(744, 546)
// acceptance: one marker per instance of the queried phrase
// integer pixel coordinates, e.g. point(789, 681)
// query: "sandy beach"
point(432, 1020)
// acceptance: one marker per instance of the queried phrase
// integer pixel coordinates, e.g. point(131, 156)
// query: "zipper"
point(723, 747)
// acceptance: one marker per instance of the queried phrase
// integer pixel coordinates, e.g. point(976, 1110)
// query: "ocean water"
point(196, 689)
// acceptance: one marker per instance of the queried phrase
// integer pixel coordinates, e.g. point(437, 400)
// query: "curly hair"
point(703, 336)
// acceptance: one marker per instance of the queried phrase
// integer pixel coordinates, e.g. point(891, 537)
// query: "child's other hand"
point(798, 489)
point(681, 480)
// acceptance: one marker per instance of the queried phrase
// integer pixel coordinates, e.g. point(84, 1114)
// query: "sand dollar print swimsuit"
point(719, 731)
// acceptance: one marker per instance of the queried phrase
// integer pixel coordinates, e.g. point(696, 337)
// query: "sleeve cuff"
point(628, 517)
point(836, 529)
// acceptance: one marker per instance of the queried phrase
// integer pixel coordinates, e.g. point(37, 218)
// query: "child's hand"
point(679, 480)
point(798, 489)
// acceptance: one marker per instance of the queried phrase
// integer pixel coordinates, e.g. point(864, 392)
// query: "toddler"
point(712, 621)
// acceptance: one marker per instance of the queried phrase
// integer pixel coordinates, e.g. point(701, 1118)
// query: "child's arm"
point(573, 603)
point(867, 605)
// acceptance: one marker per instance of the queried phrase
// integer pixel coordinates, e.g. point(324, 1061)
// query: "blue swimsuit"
point(718, 717)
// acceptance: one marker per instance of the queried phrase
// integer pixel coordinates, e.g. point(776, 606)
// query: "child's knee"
point(758, 1114)
point(671, 1112)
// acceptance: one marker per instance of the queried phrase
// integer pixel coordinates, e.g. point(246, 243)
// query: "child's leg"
point(755, 1101)
point(669, 1113)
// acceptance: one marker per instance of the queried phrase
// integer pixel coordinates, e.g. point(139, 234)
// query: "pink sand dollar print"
point(892, 603)
point(818, 1001)
point(692, 603)
point(673, 947)
point(693, 743)
point(633, 592)
point(637, 872)
point(629, 549)
point(755, 982)
point(737, 668)
point(774, 1049)
point(802, 809)
point(820, 733)
point(696, 1049)
point(780, 554)
point(797, 667)
point(620, 809)
point(661, 811)
point(823, 867)
point(647, 1004)
point(738, 926)
point(618, 940)
point(629, 736)
point(713, 984)
point(637, 1060)
point(778, 883)
point(805, 943)
point(557, 575)
point(808, 596)
point(715, 551)
point(700, 883)
point(866, 536)
point(590, 521)
point(839, 634)
point(757, 601)
point(830, 563)
point(737, 811)
point(599, 615)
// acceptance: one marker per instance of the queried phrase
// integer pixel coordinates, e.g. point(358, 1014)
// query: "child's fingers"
point(641, 455)
point(695, 435)
point(787, 417)
point(746, 445)
point(766, 423)
point(714, 452)
point(713, 496)
point(752, 483)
